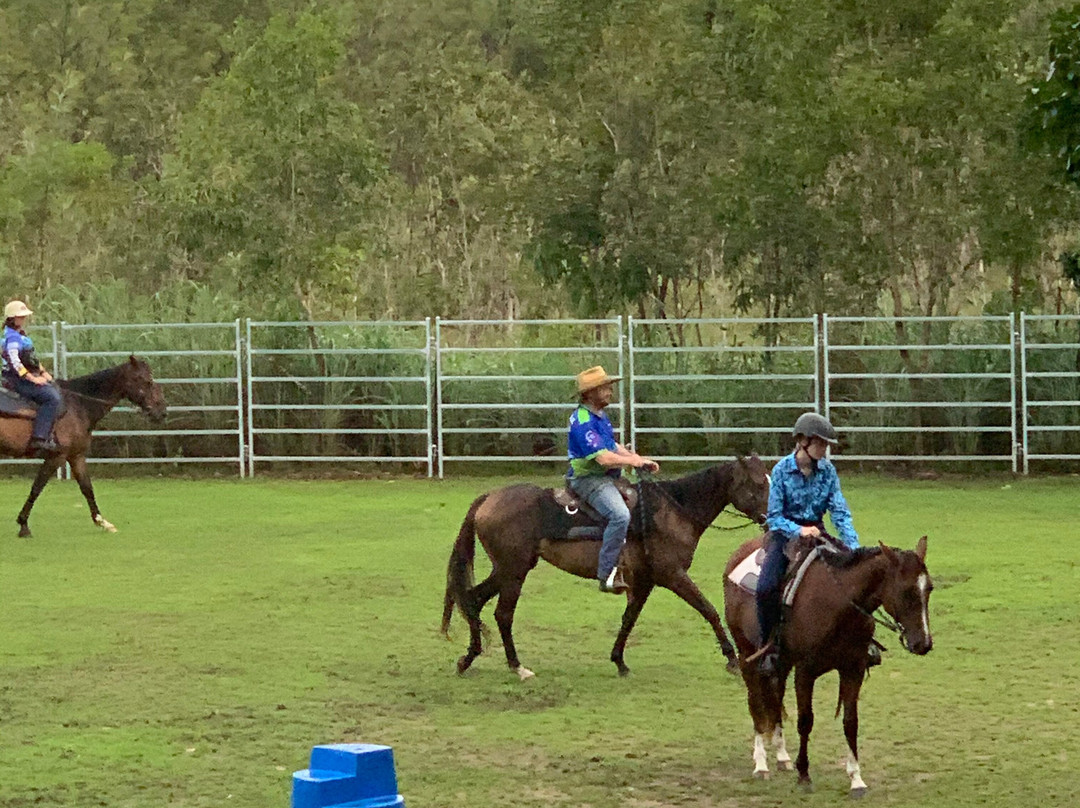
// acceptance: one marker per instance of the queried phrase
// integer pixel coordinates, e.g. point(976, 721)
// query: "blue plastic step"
point(353, 775)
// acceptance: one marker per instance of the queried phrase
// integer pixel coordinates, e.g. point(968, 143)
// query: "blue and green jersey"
point(590, 434)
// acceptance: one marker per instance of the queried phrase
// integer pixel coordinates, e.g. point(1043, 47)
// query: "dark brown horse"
point(86, 400)
point(520, 524)
point(829, 627)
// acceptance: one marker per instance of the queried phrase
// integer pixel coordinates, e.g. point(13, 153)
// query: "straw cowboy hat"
point(594, 377)
point(16, 308)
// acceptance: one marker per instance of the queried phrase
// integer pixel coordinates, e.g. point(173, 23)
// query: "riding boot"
point(43, 447)
point(614, 583)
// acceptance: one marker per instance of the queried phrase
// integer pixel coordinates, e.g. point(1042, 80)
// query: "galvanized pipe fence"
point(429, 395)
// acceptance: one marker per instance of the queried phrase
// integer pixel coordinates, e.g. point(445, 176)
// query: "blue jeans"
point(600, 492)
point(47, 397)
point(768, 589)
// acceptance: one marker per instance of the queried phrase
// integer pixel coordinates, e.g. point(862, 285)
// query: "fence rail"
point(430, 394)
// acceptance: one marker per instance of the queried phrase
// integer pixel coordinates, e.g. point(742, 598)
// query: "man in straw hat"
point(596, 459)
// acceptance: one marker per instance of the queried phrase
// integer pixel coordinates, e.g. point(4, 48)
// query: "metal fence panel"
point(1050, 374)
point(504, 387)
point(963, 389)
point(344, 392)
point(198, 365)
point(922, 388)
point(704, 389)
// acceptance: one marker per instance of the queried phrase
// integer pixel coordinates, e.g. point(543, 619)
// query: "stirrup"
point(614, 583)
point(766, 648)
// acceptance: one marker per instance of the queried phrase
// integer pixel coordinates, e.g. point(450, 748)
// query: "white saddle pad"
point(749, 570)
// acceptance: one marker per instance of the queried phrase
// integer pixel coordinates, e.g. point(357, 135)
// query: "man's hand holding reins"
point(623, 457)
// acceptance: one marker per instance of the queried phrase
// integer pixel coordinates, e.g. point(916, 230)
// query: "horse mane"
point(693, 487)
point(92, 382)
point(843, 561)
point(693, 492)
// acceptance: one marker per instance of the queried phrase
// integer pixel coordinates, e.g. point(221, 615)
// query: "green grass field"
point(193, 658)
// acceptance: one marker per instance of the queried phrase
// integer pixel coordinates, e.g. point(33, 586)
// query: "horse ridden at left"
point(53, 418)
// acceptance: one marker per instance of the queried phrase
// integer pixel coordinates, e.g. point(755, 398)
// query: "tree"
point(271, 180)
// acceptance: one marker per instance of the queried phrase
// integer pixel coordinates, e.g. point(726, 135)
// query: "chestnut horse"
point(86, 400)
point(828, 627)
point(520, 524)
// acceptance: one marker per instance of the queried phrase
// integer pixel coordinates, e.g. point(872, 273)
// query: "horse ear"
point(133, 360)
point(920, 549)
point(889, 552)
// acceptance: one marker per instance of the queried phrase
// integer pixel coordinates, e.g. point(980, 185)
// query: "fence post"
point(249, 449)
point(1020, 393)
point(821, 363)
point(630, 384)
point(438, 443)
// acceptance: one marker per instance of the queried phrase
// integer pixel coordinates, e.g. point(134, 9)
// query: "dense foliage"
point(502, 158)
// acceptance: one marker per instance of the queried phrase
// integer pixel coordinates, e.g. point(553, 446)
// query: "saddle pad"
point(748, 571)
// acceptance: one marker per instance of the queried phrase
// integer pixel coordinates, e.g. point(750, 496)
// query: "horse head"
point(137, 385)
point(750, 488)
point(906, 595)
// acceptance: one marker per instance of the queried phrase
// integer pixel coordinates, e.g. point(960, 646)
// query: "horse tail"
point(459, 572)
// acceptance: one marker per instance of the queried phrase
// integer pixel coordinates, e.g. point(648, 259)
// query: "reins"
point(649, 477)
point(91, 398)
point(746, 523)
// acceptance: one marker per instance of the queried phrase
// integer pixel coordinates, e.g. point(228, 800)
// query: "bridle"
point(885, 620)
point(649, 477)
point(110, 401)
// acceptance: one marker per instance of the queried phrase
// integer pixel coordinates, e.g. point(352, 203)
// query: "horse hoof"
point(806, 785)
point(24, 532)
point(463, 665)
point(785, 765)
point(523, 673)
point(761, 775)
point(104, 524)
point(857, 793)
point(733, 666)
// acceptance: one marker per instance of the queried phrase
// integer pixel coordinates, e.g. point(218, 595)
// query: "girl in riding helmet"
point(23, 373)
point(804, 487)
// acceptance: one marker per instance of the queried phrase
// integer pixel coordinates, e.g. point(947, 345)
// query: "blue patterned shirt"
point(795, 500)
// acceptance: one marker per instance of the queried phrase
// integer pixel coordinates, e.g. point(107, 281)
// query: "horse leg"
point(766, 700)
point(635, 602)
point(776, 693)
point(47, 470)
point(82, 477)
point(686, 589)
point(804, 697)
point(478, 596)
point(783, 758)
point(850, 684)
point(504, 616)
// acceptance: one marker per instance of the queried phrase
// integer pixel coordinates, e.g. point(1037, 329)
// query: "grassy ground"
point(193, 658)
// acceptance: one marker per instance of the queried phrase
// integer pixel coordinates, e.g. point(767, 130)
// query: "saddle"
point(801, 553)
point(12, 405)
point(568, 516)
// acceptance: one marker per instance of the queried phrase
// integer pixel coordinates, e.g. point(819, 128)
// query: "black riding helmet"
point(813, 425)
